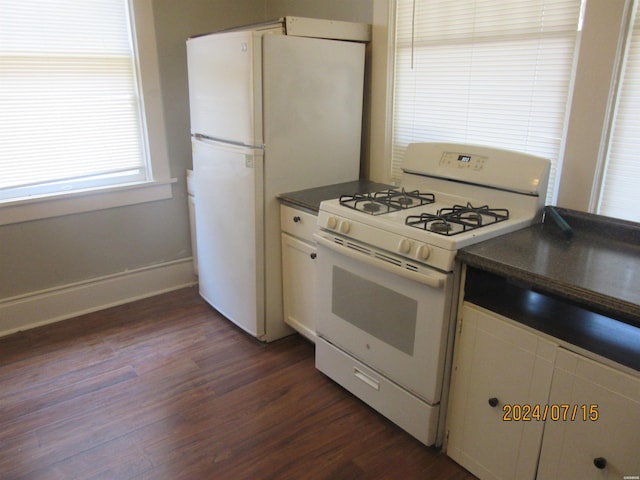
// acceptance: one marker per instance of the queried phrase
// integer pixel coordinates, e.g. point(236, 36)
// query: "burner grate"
point(386, 201)
point(403, 199)
point(458, 219)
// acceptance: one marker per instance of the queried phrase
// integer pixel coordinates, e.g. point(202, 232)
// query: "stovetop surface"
point(432, 215)
point(452, 220)
point(451, 196)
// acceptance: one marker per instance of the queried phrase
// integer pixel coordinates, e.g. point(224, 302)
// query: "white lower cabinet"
point(299, 270)
point(522, 407)
point(498, 370)
point(602, 440)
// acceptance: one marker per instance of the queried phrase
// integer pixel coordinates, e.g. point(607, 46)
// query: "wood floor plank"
point(167, 389)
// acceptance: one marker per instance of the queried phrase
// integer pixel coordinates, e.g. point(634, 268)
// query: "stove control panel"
point(391, 244)
point(462, 160)
point(479, 165)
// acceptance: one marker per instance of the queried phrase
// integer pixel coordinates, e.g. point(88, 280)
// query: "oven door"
point(392, 316)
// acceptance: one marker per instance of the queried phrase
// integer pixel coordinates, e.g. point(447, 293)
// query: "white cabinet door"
point(499, 370)
point(299, 285)
point(602, 440)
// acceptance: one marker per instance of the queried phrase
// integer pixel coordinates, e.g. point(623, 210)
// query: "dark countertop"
point(583, 291)
point(310, 199)
point(598, 268)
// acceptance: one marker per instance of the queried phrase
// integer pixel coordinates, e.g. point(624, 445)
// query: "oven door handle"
point(429, 280)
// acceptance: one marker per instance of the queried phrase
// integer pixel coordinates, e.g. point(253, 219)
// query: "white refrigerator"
point(274, 108)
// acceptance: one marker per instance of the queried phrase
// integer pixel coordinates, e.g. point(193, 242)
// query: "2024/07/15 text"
point(514, 412)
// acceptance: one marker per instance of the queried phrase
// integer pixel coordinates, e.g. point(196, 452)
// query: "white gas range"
point(388, 280)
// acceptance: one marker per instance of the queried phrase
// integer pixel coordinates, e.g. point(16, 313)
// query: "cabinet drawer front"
point(405, 410)
point(297, 222)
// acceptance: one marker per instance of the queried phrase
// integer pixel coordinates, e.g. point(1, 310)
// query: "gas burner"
point(403, 199)
point(371, 207)
point(440, 226)
point(475, 215)
point(367, 203)
point(386, 201)
point(457, 219)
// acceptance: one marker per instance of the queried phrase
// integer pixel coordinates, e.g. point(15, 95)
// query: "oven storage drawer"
point(413, 415)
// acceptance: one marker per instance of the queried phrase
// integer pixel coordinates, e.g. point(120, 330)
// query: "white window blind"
point(70, 113)
point(485, 72)
point(620, 193)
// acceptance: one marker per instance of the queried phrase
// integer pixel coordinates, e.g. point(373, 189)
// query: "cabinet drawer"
point(297, 222)
point(404, 409)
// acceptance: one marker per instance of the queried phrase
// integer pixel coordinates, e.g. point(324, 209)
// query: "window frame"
point(158, 187)
point(629, 33)
point(602, 45)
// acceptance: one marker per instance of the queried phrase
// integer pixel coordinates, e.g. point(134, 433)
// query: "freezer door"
point(312, 101)
point(225, 91)
point(228, 193)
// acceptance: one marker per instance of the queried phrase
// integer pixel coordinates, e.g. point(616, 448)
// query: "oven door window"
point(386, 314)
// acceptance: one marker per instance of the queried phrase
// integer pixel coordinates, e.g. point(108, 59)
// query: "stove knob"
point(404, 246)
point(345, 227)
point(423, 252)
point(332, 222)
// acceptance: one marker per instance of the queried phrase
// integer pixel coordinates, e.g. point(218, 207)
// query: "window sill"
point(24, 210)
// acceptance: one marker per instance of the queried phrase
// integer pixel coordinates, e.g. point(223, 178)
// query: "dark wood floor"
point(165, 388)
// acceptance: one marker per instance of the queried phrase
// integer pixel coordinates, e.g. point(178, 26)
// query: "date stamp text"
point(559, 412)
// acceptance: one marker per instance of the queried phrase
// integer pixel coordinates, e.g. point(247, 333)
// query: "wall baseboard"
point(52, 305)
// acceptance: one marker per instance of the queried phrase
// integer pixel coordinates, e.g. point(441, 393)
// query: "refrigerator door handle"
point(218, 141)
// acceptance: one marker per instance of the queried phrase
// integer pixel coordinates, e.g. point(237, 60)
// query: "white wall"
point(351, 10)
